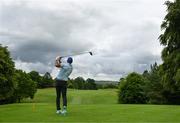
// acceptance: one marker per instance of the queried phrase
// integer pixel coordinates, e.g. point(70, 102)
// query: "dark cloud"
point(41, 35)
point(122, 34)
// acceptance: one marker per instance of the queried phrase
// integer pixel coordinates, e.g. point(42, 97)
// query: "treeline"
point(160, 85)
point(17, 84)
point(82, 84)
point(147, 88)
point(88, 84)
point(44, 81)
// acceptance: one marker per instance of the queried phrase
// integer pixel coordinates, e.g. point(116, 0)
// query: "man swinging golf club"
point(61, 80)
point(61, 83)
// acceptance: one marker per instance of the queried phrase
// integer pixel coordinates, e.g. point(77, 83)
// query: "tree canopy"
point(170, 39)
point(6, 72)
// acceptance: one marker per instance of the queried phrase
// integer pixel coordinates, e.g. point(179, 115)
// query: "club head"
point(90, 53)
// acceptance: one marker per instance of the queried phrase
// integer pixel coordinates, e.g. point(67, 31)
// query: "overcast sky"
point(123, 35)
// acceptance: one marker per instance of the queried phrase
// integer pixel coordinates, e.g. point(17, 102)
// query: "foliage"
point(34, 75)
point(170, 39)
point(42, 81)
point(80, 83)
point(90, 84)
point(154, 88)
point(47, 81)
point(6, 72)
point(107, 86)
point(131, 89)
point(14, 84)
point(26, 87)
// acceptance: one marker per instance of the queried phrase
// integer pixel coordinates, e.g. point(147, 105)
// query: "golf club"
point(77, 54)
point(58, 58)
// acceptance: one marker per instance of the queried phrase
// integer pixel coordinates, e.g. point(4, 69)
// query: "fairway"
point(86, 106)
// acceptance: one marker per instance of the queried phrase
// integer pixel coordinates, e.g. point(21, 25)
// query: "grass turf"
point(86, 106)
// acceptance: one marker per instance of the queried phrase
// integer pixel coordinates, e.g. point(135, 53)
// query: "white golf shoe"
point(64, 111)
point(58, 112)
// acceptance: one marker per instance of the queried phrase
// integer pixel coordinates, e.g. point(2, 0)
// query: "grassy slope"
point(87, 106)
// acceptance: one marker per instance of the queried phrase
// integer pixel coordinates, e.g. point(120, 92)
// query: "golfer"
point(61, 83)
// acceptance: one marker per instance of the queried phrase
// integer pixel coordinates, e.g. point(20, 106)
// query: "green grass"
point(86, 106)
point(108, 96)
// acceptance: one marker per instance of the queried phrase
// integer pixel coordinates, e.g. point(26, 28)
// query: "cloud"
point(123, 34)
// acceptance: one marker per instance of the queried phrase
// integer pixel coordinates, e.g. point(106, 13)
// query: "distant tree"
point(47, 80)
point(26, 87)
point(90, 84)
point(131, 89)
point(170, 39)
point(110, 85)
point(79, 83)
point(6, 72)
point(100, 86)
point(34, 75)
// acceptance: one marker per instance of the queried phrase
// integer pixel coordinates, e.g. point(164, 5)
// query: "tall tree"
point(26, 87)
point(170, 39)
point(154, 88)
point(6, 73)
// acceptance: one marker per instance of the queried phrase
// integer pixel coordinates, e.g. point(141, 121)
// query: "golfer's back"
point(64, 72)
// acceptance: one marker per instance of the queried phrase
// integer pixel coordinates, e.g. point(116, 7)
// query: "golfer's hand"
point(57, 58)
point(58, 62)
point(60, 59)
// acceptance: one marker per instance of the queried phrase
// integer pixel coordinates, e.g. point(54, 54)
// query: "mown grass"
point(86, 106)
point(107, 96)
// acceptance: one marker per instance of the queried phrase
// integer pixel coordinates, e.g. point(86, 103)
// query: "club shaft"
point(74, 54)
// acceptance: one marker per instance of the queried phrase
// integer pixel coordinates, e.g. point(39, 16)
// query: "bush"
point(131, 89)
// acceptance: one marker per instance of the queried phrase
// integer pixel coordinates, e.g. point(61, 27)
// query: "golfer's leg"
point(64, 91)
point(57, 97)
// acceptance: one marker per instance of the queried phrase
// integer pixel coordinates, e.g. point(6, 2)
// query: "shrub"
point(131, 89)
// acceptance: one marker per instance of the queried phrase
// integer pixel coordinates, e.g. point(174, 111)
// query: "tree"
point(26, 87)
point(14, 84)
point(131, 89)
point(34, 75)
point(79, 83)
point(90, 84)
point(170, 39)
point(47, 80)
point(6, 72)
point(154, 88)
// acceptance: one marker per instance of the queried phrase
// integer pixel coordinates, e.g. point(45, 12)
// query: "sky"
point(122, 34)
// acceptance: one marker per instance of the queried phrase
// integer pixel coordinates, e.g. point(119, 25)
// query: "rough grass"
point(87, 106)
